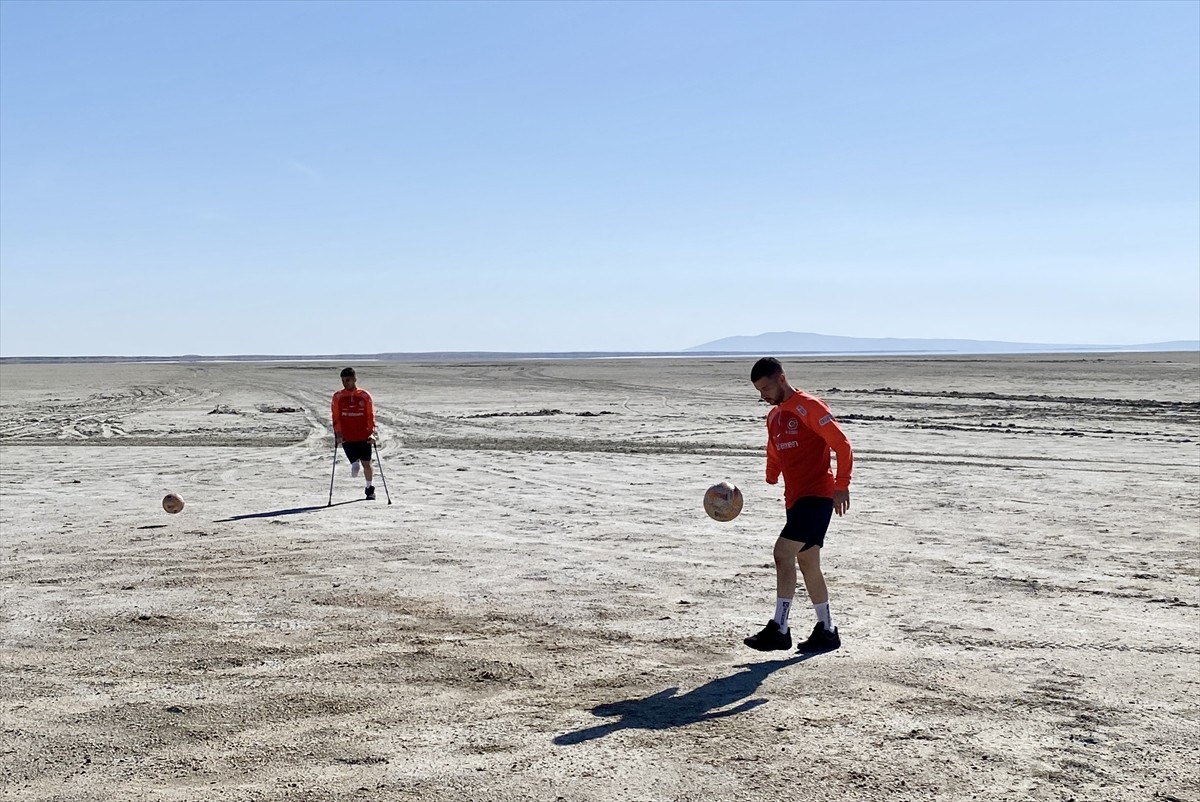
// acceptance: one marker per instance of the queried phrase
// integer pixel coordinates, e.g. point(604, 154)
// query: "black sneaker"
point(370, 492)
point(821, 640)
point(770, 639)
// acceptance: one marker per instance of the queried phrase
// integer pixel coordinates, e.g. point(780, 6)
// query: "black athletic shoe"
point(770, 639)
point(371, 493)
point(821, 640)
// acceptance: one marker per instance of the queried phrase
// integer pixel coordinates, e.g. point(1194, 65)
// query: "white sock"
point(782, 607)
point(825, 616)
point(368, 481)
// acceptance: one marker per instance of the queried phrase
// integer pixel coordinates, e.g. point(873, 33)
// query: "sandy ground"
point(543, 612)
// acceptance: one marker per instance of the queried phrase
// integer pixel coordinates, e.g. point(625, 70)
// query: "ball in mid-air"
point(723, 501)
point(172, 503)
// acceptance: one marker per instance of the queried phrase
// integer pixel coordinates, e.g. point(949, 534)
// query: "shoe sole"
point(768, 648)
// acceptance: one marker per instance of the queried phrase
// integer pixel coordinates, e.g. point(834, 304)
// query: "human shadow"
point(292, 511)
point(665, 710)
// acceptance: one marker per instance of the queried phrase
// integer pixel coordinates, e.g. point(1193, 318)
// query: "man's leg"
point(785, 579)
point(824, 637)
point(348, 450)
point(368, 475)
point(809, 560)
point(776, 634)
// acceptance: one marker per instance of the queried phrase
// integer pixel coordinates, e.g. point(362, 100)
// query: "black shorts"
point(808, 520)
point(358, 452)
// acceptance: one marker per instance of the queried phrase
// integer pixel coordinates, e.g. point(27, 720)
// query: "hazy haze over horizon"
point(322, 178)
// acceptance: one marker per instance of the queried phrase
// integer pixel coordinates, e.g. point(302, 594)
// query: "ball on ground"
point(723, 502)
point(172, 503)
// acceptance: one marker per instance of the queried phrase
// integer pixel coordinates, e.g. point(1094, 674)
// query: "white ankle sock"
point(825, 616)
point(782, 607)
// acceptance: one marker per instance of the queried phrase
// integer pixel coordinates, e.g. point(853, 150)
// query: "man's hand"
point(841, 501)
point(337, 439)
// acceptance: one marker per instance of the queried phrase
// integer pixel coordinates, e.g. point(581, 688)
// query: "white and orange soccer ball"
point(723, 501)
point(172, 503)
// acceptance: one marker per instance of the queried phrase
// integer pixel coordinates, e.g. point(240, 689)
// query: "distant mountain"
point(794, 342)
point(777, 342)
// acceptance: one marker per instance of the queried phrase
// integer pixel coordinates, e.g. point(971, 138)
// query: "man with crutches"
point(354, 430)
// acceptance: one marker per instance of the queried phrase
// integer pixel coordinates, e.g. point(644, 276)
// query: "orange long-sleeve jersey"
point(801, 433)
point(353, 415)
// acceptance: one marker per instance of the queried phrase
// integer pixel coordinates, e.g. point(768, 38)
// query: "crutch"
point(332, 472)
point(379, 465)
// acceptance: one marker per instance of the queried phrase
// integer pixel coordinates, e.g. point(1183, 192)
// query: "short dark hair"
point(347, 372)
point(767, 366)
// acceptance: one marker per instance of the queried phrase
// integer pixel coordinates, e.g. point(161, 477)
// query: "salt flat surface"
point(544, 612)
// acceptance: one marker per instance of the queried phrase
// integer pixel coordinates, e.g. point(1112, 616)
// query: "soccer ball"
point(723, 502)
point(172, 503)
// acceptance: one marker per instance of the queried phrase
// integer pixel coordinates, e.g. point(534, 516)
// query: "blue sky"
point(287, 178)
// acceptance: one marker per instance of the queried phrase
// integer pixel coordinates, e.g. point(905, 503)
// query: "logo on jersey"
point(353, 406)
point(825, 420)
point(793, 424)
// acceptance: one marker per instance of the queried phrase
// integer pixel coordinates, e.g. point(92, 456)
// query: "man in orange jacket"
point(354, 426)
point(801, 433)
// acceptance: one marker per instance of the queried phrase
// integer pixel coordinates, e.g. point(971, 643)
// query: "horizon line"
point(397, 356)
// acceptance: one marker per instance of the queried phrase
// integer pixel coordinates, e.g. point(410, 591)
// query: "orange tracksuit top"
point(801, 432)
point(353, 415)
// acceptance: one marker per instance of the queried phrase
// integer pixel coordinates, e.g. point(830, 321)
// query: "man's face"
point(349, 382)
point(771, 388)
